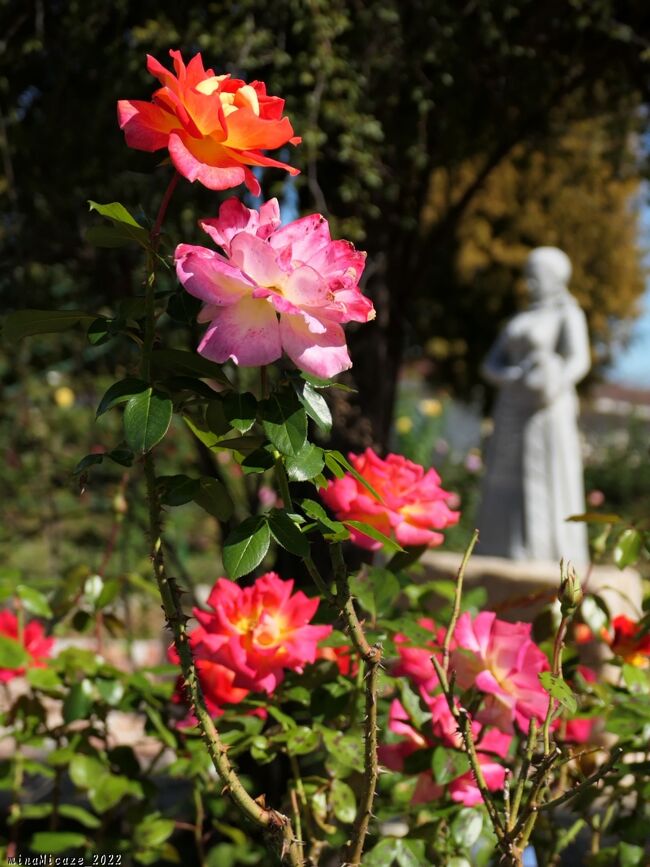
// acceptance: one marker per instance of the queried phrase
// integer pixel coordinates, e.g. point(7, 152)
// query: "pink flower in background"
point(595, 499)
point(33, 639)
point(415, 662)
point(277, 289)
point(216, 683)
point(342, 657)
point(214, 126)
point(413, 505)
point(500, 659)
point(491, 744)
point(258, 632)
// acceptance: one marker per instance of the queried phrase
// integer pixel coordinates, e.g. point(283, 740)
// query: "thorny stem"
point(604, 769)
point(274, 823)
point(459, 713)
point(465, 728)
point(523, 773)
point(372, 656)
point(457, 598)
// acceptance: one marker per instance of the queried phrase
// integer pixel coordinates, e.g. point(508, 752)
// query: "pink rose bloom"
point(491, 744)
point(504, 663)
point(214, 126)
point(413, 505)
point(415, 662)
point(33, 640)
point(277, 289)
point(258, 632)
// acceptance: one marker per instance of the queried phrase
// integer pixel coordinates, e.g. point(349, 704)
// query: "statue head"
point(547, 272)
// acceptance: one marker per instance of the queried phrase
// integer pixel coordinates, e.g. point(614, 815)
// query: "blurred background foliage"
point(445, 138)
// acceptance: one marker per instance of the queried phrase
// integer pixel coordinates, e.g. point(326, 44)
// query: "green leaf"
point(78, 814)
point(111, 691)
point(34, 601)
point(628, 548)
point(124, 228)
point(177, 490)
point(112, 790)
point(246, 547)
point(302, 740)
point(315, 405)
point(180, 362)
point(385, 588)
point(115, 212)
point(333, 466)
point(120, 392)
point(86, 462)
point(78, 701)
point(346, 465)
point(240, 410)
point(147, 417)
point(389, 544)
point(412, 704)
point(12, 653)
point(448, 765)
point(287, 534)
point(153, 831)
point(215, 418)
point(258, 461)
point(122, 456)
point(636, 679)
point(596, 518)
point(25, 323)
point(56, 842)
point(361, 588)
point(214, 498)
point(165, 735)
point(307, 464)
point(284, 422)
point(559, 689)
point(328, 526)
point(86, 771)
point(343, 801)
point(467, 826)
point(630, 855)
point(44, 679)
point(383, 854)
point(201, 431)
point(243, 445)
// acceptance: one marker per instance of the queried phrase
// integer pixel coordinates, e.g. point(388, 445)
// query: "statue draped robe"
point(534, 476)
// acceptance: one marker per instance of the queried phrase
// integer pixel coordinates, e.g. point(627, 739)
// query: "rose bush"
point(478, 723)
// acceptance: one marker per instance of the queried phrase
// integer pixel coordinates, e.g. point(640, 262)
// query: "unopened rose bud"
point(570, 594)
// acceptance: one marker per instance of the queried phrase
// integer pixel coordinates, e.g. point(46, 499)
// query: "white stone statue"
point(533, 480)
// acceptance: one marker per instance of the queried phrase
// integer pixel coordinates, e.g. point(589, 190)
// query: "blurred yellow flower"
point(430, 406)
point(404, 424)
point(64, 397)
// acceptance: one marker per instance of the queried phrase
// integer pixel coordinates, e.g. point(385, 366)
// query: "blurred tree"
point(580, 191)
point(385, 93)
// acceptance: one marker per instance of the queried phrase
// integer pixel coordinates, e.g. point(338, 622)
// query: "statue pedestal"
point(520, 589)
